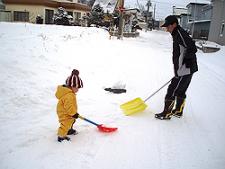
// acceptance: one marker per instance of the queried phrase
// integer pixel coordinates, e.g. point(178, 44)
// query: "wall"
point(218, 18)
point(33, 10)
point(5, 16)
point(201, 30)
point(206, 13)
point(184, 21)
point(195, 11)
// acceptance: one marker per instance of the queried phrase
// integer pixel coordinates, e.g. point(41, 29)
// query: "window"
point(21, 16)
point(222, 29)
point(77, 15)
point(48, 16)
point(70, 13)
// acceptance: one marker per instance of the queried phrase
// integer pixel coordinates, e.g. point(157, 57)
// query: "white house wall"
point(35, 10)
point(218, 18)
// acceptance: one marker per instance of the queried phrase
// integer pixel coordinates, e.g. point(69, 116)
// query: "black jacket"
point(184, 49)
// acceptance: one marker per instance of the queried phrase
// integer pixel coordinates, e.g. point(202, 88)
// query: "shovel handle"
point(83, 118)
point(157, 90)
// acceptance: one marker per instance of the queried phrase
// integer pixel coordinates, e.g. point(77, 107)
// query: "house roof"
point(107, 5)
point(132, 10)
point(197, 3)
point(50, 3)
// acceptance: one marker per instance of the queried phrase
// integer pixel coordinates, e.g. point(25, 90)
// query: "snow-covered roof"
point(198, 3)
point(107, 5)
point(200, 21)
point(132, 11)
point(179, 11)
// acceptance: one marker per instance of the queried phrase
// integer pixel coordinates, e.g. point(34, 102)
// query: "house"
point(182, 16)
point(2, 6)
point(107, 5)
point(217, 27)
point(27, 10)
point(179, 10)
point(5, 16)
point(184, 21)
point(199, 17)
point(129, 16)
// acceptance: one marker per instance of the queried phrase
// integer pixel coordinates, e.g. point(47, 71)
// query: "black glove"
point(75, 116)
point(187, 62)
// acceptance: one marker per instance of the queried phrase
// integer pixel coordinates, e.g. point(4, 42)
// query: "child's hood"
point(61, 91)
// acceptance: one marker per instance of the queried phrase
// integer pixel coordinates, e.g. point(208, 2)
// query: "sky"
point(163, 7)
point(35, 59)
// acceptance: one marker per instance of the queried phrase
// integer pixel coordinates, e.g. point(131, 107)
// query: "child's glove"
point(75, 116)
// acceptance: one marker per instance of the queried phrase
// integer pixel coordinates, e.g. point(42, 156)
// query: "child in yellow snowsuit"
point(67, 105)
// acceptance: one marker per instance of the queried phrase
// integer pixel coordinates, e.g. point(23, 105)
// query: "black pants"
point(178, 87)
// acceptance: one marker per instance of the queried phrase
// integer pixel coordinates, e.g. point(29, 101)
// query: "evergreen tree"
point(96, 15)
point(61, 17)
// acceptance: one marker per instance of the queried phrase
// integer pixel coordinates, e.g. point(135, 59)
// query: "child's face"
point(74, 89)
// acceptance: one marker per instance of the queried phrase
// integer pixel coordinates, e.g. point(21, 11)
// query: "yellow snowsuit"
point(66, 108)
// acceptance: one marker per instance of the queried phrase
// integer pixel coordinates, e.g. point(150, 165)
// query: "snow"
point(107, 5)
point(209, 44)
point(35, 59)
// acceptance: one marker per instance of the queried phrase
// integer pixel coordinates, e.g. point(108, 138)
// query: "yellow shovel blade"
point(134, 106)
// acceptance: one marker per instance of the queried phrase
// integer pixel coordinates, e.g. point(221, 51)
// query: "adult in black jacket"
point(185, 64)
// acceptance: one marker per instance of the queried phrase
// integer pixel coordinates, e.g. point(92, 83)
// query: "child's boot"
point(178, 111)
point(72, 132)
point(60, 139)
point(167, 112)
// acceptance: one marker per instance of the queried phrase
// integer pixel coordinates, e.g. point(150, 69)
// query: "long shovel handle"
point(83, 118)
point(157, 90)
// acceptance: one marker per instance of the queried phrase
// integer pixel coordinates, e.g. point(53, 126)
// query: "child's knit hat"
point(74, 80)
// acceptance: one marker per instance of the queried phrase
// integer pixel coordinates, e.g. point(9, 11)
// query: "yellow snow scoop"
point(138, 105)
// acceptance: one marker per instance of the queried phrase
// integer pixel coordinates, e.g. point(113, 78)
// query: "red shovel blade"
point(105, 129)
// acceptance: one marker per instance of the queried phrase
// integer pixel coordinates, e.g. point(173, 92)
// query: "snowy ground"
point(34, 59)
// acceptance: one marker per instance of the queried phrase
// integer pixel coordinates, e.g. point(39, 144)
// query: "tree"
point(61, 17)
point(96, 15)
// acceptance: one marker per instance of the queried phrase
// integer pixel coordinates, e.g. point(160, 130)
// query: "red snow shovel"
point(101, 127)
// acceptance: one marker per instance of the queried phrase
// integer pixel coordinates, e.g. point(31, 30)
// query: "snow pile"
point(203, 43)
point(35, 59)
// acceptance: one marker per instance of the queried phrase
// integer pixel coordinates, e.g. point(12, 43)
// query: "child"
point(67, 105)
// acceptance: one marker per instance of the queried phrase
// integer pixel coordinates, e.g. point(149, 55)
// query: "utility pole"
point(121, 24)
point(193, 27)
point(147, 14)
point(154, 17)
